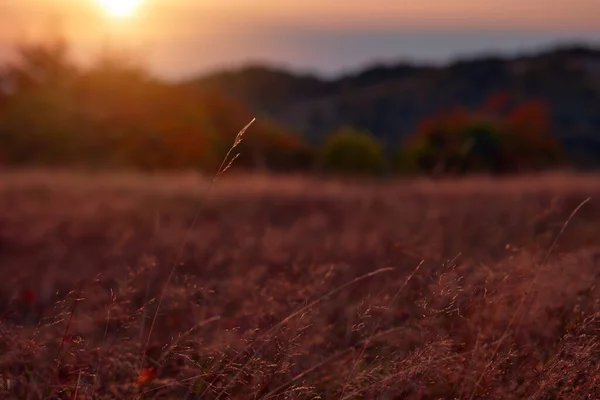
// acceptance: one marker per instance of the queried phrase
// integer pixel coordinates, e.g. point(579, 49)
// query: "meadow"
point(124, 285)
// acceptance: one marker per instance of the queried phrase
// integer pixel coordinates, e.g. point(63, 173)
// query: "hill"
point(389, 100)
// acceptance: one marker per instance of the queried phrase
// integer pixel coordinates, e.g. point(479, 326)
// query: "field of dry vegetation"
point(298, 288)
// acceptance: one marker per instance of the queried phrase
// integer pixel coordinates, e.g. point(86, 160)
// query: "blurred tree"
point(484, 147)
point(42, 64)
point(437, 144)
point(529, 124)
point(459, 140)
point(352, 151)
point(39, 126)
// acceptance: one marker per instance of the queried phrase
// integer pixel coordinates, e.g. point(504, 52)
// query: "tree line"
point(114, 114)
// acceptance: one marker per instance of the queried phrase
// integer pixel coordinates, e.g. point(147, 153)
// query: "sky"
point(182, 38)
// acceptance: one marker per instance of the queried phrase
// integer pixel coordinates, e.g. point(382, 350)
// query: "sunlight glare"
point(120, 8)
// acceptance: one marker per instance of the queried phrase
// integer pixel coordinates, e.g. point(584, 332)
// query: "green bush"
point(478, 145)
point(351, 151)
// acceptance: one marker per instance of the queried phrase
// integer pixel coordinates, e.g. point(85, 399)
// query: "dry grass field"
point(290, 287)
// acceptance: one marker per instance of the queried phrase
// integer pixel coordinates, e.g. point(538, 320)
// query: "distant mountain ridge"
point(389, 100)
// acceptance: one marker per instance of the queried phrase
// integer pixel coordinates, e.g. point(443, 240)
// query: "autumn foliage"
point(115, 114)
point(501, 136)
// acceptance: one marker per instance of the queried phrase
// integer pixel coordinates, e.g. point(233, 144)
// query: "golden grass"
point(275, 293)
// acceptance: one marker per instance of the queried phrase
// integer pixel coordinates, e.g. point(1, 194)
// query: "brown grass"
point(293, 287)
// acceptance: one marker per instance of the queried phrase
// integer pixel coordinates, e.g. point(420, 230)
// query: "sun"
point(120, 8)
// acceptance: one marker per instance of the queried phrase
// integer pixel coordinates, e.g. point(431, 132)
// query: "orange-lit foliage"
point(530, 125)
point(116, 114)
point(436, 140)
point(143, 122)
point(272, 146)
point(442, 126)
point(267, 145)
point(496, 103)
point(532, 116)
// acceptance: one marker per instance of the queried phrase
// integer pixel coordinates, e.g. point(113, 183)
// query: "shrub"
point(351, 151)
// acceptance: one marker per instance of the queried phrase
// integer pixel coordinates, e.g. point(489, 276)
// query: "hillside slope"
point(390, 100)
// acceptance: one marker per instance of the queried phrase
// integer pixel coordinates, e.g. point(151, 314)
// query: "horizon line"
point(395, 62)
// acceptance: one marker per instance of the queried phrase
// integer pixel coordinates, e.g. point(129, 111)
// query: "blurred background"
point(337, 87)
